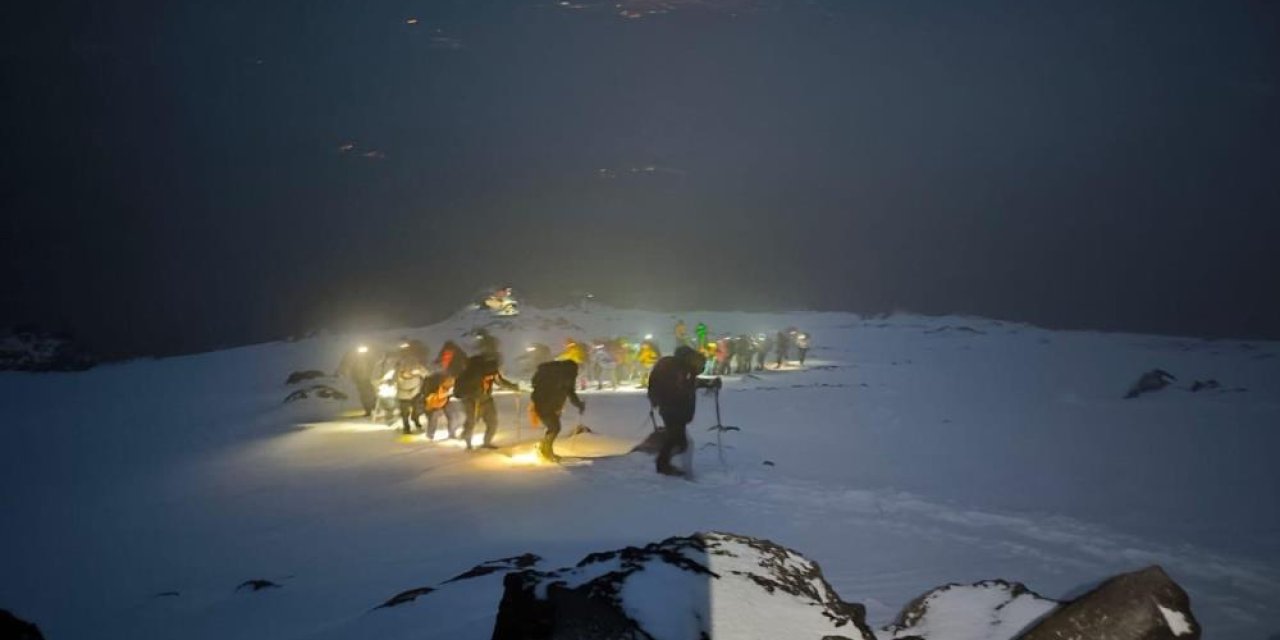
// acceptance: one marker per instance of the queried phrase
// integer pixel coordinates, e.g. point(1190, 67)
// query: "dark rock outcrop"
point(1153, 380)
point(12, 626)
point(405, 597)
point(513, 563)
point(303, 376)
point(257, 584)
point(322, 391)
point(705, 585)
point(33, 349)
point(1143, 605)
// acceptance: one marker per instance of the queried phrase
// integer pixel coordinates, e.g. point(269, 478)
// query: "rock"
point(513, 563)
point(15, 628)
point(322, 391)
point(303, 376)
point(1209, 384)
point(701, 586)
point(405, 597)
point(987, 610)
point(257, 585)
point(33, 349)
point(1143, 605)
point(1153, 380)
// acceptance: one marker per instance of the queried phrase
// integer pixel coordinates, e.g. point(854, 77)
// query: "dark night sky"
point(174, 179)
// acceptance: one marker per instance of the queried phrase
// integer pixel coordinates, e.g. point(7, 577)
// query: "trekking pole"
point(719, 431)
point(519, 434)
point(720, 428)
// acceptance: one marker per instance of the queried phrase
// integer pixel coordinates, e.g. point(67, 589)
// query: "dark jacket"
point(477, 380)
point(553, 384)
point(673, 384)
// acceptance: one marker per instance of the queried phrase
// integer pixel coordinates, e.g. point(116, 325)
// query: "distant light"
point(530, 348)
point(648, 336)
point(411, 21)
point(362, 349)
point(404, 345)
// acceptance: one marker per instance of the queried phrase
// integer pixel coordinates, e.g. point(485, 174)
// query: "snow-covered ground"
point(911, 452)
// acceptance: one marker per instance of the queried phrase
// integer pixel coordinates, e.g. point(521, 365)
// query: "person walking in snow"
point(646, 358)
point(763, 345)
point(409, 377)
point(553, 384)
point(474, 388)
point(604, 366)
point(802, 346)
point(673, 384)
point(724, 356)
point(745, 354)
point(357, 366)
point(781, 344)
point(437, 388)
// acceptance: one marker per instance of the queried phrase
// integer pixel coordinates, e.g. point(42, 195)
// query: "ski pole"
point(719, 430)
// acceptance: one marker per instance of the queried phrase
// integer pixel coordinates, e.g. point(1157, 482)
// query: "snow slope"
point(912, 452)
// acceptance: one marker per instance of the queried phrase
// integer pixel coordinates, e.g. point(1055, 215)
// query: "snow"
point(910, 453)
point(1177, 622)
point(983, 611)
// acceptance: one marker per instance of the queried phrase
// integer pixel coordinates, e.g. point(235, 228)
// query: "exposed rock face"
point(987, 610)
point(31, 349)
point(1143, 605)
point(303, 376)
point(702, 586)
point(1153, 380)
point(322, 391)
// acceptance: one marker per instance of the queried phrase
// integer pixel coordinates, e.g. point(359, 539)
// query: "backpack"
point(557, 372)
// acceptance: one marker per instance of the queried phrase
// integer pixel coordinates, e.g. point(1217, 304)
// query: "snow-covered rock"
point(700, 586)
point(29, 349)
point(987, 610)
point(1143, 605)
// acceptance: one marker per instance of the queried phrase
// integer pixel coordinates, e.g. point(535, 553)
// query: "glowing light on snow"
point(648, 336)
point(411, 21)
point(404, 345)
point(362, 349)
point(525, 458)
point(528, 348)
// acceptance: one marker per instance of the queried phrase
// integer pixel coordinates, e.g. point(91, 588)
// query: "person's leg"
point(406, 412)
point(433, 416)
point(368, 397)
point(489, 411)
point(674, 441)
point(552, 422)
point(803, 352)
point(450, 410)
point(470, 407)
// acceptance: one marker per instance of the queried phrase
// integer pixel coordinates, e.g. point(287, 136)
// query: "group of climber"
point(744, 353)
point(424, 386)
point(453, 382)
